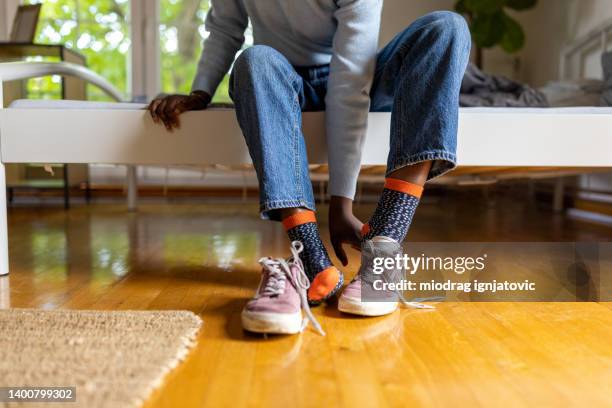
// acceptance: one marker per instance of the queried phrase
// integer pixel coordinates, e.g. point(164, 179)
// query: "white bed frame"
point(487, 137)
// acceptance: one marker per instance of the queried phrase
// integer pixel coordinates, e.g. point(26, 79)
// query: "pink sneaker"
point(352, 302)
point(277, 306)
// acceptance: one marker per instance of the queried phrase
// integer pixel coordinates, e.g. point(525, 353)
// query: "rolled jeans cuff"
point(443, 162)
point(266, 208)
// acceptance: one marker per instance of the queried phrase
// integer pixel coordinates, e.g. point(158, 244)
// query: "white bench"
point(35, 132)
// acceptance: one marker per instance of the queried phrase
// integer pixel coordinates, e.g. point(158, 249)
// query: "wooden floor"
point(203, 258)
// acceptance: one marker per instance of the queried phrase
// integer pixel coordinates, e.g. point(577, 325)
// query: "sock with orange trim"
point(303, 227)
point(396, 207)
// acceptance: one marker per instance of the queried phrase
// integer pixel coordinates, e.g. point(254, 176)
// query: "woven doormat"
point(113, 358)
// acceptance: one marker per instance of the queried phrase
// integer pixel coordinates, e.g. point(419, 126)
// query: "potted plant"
point(491, 25)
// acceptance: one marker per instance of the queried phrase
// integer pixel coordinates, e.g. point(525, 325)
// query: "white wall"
point(398, 14)
point(549, 27)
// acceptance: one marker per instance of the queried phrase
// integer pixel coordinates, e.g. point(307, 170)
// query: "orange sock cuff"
point(365, 229)
point(404, 187)
point(303, 217)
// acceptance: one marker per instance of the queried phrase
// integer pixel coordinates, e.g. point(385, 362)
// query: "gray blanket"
point(480, 89)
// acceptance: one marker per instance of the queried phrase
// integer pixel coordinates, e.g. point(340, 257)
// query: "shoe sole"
point(331, 294)
point(272, 323)
point(357, 307)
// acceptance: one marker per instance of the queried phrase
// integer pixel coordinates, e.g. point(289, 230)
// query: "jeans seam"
point(296, 149)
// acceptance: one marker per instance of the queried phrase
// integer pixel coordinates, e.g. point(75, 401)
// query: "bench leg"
point(132, 188)
point(558, 195)
point(66, 188)
point(4, 262)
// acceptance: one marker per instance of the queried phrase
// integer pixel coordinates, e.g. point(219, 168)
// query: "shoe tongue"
point(266, 277)
point(378, 247)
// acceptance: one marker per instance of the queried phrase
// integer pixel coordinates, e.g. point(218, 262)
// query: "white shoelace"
point(414, 305)
point(279, 271)
point(402, 298)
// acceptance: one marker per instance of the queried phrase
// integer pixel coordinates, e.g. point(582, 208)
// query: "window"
point(181, 32)
point(98, 29)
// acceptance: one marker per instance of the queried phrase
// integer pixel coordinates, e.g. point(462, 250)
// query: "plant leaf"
point(488, 29)
point(521, 4)
point(460, 7)
point(484, 6)
point(514, 36)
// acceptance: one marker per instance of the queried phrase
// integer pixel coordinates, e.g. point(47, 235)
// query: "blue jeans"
point(417, 78)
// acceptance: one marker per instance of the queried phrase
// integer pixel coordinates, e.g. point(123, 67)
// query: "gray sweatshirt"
point(342, 33)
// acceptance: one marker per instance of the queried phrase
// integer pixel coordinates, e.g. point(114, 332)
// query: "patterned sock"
point(303, 227)
point(325, 279)
point(394, 212)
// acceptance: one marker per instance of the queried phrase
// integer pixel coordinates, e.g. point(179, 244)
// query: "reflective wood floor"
point(203, 258)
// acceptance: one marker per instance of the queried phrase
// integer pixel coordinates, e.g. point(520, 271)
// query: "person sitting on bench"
point(315, 55)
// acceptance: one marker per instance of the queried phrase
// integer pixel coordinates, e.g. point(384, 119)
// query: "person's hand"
point(344, 227)
point(167, 108)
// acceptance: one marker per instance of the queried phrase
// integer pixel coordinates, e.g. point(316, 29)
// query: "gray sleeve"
point(352, 66)
point(226, 22)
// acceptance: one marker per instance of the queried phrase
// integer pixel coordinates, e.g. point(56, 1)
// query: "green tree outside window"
point(181, 33)
point(98, 29)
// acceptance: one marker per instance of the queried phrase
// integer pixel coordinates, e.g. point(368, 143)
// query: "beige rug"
point(115, 359)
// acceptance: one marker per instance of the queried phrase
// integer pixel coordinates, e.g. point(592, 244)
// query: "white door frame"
point(145, 68)
point(144, 71)
point(7, 15)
